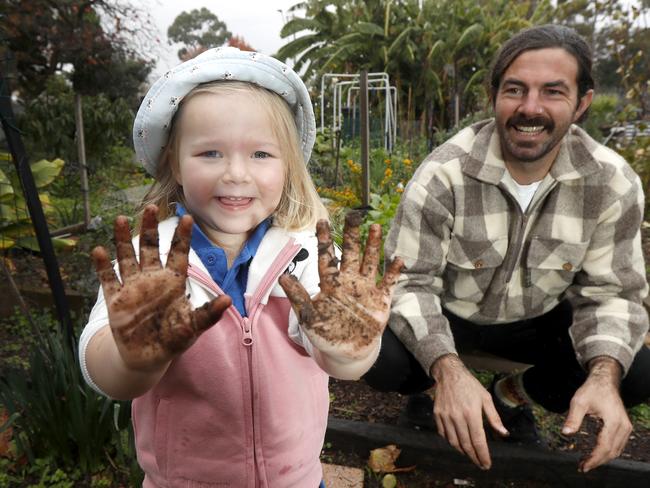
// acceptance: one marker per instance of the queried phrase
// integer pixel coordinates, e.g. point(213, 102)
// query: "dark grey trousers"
point(543, 342)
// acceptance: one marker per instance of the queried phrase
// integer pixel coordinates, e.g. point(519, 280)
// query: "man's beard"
point(520, 150)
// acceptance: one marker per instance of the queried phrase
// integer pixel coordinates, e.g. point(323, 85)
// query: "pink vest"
point(243, 407)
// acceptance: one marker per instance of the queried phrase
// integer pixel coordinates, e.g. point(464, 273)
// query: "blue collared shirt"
point(232, 281)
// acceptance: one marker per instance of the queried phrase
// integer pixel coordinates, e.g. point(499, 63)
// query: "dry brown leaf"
point(382, 460)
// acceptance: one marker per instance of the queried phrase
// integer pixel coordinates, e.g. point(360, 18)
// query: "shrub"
point(602, 115)
point(55, 416)
point(637, 153)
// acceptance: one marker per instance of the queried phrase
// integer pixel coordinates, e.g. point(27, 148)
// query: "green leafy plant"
point(16, 228)
point(48, 124)
point(322, 165)
point(637, 152)
point(382, 212)
point(53, 413)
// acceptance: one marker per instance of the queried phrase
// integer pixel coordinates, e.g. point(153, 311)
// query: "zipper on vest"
point(279, 263)
point(247, 340)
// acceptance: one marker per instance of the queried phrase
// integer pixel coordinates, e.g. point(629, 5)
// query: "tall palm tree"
point(437, 52)
point(312, 35)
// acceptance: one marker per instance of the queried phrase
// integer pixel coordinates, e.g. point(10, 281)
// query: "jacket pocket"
point(471, 266)
point(551, 264)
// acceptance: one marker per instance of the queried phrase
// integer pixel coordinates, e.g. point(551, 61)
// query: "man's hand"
point(459, 405)
point(599, 396)
point(347, 318)
point(150, 317)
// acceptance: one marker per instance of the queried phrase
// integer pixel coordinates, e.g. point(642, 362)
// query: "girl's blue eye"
point(261, 155)
point(211, 154)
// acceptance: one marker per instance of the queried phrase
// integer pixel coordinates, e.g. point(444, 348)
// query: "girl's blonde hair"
point(300, 206)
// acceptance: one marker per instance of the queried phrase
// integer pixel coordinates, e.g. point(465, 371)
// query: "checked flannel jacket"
point(468, 246)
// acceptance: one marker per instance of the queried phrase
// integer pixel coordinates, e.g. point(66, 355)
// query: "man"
point(521, 238)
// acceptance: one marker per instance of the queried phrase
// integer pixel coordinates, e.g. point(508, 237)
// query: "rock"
point(342, 476)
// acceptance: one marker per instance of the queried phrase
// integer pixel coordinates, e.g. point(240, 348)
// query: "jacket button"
point(567, 266)
point(478, 264)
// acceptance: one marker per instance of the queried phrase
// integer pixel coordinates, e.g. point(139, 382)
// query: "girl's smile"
point(235, 203)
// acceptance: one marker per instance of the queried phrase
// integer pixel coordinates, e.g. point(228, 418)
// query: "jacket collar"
point(273, 242)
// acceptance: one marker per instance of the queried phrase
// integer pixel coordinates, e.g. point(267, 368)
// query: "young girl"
point(228, 389)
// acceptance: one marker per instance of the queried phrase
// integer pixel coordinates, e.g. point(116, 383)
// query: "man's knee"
point(396, 369)
point(635, 387)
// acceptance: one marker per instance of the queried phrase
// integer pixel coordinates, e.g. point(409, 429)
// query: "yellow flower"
point(388, 173)
point(407, 162)
point(387, 161)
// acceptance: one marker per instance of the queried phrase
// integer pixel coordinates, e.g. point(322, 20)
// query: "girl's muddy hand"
point(149, 314)
point(350, 313)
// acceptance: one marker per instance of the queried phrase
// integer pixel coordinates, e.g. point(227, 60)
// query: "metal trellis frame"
point(378, 82)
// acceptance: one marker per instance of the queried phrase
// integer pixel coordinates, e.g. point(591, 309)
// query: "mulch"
point(354, 400)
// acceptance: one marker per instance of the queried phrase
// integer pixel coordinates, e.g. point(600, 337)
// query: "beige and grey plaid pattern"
point(468, 246)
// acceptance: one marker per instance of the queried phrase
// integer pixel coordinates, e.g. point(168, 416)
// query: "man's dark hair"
point(543, 37)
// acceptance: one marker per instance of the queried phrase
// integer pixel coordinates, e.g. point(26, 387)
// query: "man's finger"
point(602, 452)
point(177, 260)
point(465, 441)
point(210, 313)
point(479, 444)
point(450, 434)
point(126, 260)
point(622, 431)
point(105, 272)
point(574, 418)
point(351, 242)
point(299, 298)
point(441, 427)
point(610, 444)
point(371, 254)
point(493, 418)
point(149, 253)
point(623, 436)
point(327, 263)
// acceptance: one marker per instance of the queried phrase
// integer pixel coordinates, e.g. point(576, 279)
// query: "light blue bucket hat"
point(152, 122)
